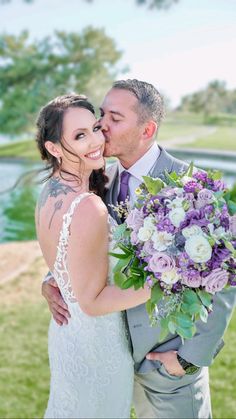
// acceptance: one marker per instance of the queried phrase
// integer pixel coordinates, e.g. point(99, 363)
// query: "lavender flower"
point(200, 176)
point(192, 186)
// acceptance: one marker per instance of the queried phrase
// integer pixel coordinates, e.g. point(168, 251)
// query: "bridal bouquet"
point(180, 239)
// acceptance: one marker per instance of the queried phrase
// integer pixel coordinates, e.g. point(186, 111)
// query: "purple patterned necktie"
point(124, 185)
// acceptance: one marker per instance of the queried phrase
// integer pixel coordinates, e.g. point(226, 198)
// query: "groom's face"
point(120, 125)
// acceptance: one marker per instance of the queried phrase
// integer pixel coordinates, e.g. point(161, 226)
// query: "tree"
point(151, 4)
point(208, 101)
point(31, 73)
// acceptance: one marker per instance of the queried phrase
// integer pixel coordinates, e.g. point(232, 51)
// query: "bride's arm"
point(88, 263)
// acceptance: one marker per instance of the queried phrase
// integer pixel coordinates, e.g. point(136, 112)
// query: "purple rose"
point(135, 219)
point(215, 281)
point(232, 225)
point(134, 238)
point(191, 278)
point(161, 262)
point(205, 197)
point(148, 248)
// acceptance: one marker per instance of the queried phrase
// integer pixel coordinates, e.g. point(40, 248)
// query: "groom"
point(172, 380)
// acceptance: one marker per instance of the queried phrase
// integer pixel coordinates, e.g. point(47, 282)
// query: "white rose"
point(198, 248)
point(220, 232)
point(176, 203)
point(193, 230)
point(144, 234)
point(176, 216)
point(149, 222)
point(161, 240)
point(170, 277)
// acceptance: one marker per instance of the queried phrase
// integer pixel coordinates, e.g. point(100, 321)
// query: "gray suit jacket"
point(204, 346)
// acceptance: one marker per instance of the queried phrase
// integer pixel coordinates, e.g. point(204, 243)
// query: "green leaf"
point(154, 185)
point(126, 249)
point(150, 307)
point(172, 327)
point(190, 296)
point(164, 328)
point(156, 293)
point(203, 314)
point(205, 297)
point(128, 283)
point(189, 171)
point(171, 178)
point(183, 320)
point(121, 265)
point(138, 284)
point(119, 231)
point(119, 279)
point(118, 255)
point(232, 207)
point(216, 175)
point(229, 246)
point(185, 333)
point(195, 308)
point(163, 333)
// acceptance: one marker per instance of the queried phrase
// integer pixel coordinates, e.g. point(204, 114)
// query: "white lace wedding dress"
point(90, 360)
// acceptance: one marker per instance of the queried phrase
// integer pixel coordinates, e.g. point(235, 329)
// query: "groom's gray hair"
point(150, 102)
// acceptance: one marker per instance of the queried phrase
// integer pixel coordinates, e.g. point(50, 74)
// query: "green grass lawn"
point(24, 368)
point(175, 125)
point(169, 130)
point(20, 149)
point(224, 138)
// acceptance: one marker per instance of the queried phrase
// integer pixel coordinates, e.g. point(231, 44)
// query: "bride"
point(90, 360)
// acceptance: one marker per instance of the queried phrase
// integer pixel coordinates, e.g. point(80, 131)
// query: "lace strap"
point(67, 218)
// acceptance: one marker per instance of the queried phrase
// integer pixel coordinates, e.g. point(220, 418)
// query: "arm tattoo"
point(54, 188)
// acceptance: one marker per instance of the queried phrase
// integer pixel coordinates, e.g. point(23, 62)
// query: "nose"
point(98, 139)
point(104, 124)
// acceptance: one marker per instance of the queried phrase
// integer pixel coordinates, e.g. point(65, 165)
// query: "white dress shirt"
point(141, 168)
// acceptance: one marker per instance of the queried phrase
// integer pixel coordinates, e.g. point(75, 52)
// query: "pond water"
point(17, 205)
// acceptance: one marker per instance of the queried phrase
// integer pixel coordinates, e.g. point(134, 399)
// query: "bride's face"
point(83, 137)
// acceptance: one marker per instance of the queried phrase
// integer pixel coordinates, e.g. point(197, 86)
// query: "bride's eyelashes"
point(97, 128)
point(81, 135)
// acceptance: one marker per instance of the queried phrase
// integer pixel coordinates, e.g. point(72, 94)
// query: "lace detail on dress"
point(60, 272)
point(90, 359)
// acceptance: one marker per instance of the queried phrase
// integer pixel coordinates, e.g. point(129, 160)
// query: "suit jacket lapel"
point(163, 163)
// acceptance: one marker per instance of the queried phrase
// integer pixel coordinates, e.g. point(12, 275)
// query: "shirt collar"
point(144, 165)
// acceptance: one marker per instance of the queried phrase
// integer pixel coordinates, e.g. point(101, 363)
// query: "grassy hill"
point(20, 149)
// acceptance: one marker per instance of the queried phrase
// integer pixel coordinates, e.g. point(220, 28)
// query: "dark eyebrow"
point(113, 112)
point(85, 129)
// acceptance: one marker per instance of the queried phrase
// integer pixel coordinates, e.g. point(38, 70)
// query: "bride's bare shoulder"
point(91, 211)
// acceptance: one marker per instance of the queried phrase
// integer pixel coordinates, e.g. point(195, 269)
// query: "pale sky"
point(179, 50)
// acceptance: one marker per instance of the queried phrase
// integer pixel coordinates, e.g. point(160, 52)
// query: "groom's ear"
point(150, 129)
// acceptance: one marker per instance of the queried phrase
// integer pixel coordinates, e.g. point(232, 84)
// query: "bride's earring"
point(59, 160)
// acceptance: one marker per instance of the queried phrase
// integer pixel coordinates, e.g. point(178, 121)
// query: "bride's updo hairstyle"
point(50, 128)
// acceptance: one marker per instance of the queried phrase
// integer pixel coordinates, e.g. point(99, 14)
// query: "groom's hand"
point(169, 360)
point(56, 304)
